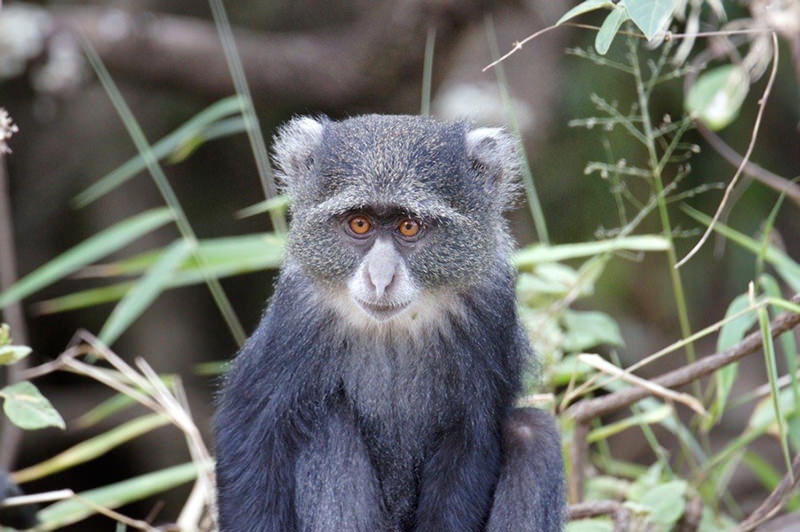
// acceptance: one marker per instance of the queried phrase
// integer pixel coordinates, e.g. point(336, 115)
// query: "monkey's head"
point(389, 210)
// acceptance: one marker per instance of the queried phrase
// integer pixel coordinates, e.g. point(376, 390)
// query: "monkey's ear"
point(293, 150)
point(493, 153)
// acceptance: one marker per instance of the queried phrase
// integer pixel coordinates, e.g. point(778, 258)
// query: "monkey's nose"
point(380, 275)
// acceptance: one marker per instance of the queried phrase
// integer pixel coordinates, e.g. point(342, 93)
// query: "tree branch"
point(588, 409)
point(378, 51)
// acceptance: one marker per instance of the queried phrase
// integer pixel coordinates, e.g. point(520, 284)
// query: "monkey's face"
point(391, 213)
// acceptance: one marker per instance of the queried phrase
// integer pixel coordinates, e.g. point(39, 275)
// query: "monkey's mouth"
point(382, 311)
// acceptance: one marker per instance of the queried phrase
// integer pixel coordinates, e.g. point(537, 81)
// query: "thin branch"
point(762, 103)
point(775, 501)
point(586, 410)
point(757, 172)
point(668, 36)
point(585, 510)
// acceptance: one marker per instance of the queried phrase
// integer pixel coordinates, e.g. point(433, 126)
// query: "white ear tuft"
point(294, 147)
point(495, 156)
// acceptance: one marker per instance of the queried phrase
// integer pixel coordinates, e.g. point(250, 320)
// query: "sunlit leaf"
point(665, 503)
point(589, 329)
point(608, 30)
point(10, 354)
point(539, 253)
point(585, 7)
point(27, 408)
point(88, 251)
point(650, 16)
point(718, 95)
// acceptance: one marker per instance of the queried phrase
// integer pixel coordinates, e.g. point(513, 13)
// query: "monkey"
point(377, 393)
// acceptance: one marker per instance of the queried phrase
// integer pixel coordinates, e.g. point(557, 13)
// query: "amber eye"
point(359, 225)
point(408, 227)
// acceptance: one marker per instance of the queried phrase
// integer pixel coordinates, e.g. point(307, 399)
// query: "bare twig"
point(585, 510)
point(599, 363)
point(762, 103)
point(668, 36)
point(775, 501)
point(757, 172)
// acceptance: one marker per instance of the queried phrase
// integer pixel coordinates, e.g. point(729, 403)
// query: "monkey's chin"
point(382, 312)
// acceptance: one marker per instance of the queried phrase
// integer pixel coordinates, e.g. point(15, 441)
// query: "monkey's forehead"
point(393, 159)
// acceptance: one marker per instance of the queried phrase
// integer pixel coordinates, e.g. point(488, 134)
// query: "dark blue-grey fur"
point(324, 428)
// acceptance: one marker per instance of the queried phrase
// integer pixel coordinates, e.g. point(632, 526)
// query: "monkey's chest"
point(403, 404)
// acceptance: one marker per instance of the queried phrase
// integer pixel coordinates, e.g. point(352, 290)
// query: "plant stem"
point(666, 226)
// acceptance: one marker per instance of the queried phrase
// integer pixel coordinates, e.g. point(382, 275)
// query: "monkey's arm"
point(336, 485)
point(530, 492)
point(458, 481)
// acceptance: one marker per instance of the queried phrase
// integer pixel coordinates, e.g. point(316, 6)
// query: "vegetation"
point(684, 485)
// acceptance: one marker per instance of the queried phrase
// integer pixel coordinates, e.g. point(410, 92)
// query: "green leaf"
point(650, 16)
point(115, 495)
point(589, 329)
point(718, 95)
point(186, 133)
point(95, 247)
point(27, 408)
point(92, 448)
point(598, 524)
point(656, 415)
point(538, 253)
point(145, 291)
point(608, 30)
point(665, 503)
point(790, 354)
point(277, 204)
point(731, 334)
point(584, 7)
point(222, 257)
point(10, 354)
point(788, 269)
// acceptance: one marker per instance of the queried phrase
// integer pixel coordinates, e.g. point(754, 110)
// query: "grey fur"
point(377, 393)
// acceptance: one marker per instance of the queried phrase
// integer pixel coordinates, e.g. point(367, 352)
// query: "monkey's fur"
point(377, 392)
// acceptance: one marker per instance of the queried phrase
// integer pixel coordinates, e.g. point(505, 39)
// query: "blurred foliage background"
point(346, 58)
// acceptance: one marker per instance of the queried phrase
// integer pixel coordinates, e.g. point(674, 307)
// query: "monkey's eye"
point(359, 225)
point(409, 228)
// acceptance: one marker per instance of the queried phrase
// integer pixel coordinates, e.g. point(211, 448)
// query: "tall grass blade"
point(92, 448)
point(194, 127)
point(161, 181)
point(427, 72)
point(257, 144)
point(103, 243)
point(144, 292)
point(114, 495)
point(527, 176)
